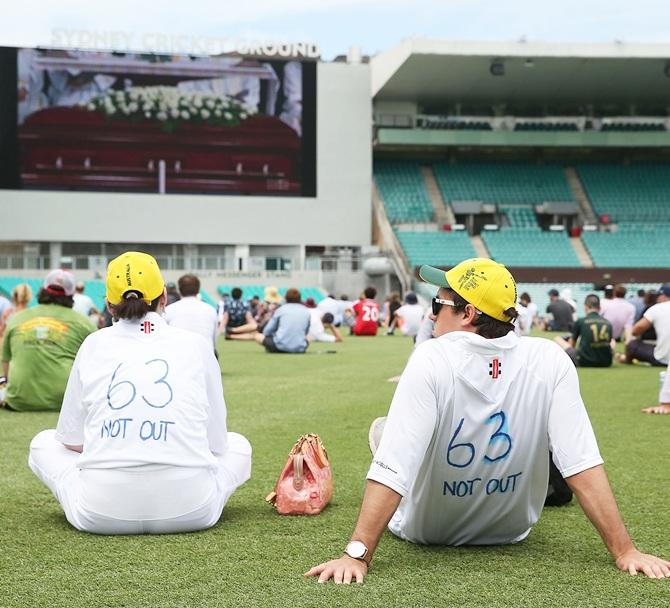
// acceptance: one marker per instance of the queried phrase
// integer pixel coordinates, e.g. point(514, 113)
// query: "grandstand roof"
point(444, 71)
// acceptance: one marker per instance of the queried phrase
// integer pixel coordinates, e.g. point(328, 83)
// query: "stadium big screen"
point(132, 122)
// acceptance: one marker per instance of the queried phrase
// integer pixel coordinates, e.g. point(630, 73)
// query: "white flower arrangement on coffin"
point(170, 107)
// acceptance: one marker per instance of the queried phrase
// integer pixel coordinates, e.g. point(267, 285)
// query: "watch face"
point(356, 549)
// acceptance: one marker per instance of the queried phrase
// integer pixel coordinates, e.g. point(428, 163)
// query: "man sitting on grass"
point(464, 454)
point(590, 344)
point(287, 331)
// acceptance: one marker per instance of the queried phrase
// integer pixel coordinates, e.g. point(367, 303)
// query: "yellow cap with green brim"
point(485, 284)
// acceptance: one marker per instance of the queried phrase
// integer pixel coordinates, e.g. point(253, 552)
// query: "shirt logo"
point(495, 369)
point(146, 327)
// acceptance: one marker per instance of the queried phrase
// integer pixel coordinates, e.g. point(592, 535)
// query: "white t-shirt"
point(194, 315)
point(468, 435)
point(659, 316)
point(524, 322)
point(332, 306)
point(144, 393)
point(411, 314)
point(532, 311)
point(82, 304)
point(317, 332)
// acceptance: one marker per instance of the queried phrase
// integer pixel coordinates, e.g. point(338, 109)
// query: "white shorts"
point(141, 500)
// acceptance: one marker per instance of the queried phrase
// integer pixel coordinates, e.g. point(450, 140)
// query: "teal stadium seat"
point(632, 245)
point(512, 183)
point(628, 193)
point(530, 246)
point(403, 191)
point(435, 248)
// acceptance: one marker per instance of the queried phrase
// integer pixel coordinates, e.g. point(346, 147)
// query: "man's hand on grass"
point(633, 561)
point(342, 571)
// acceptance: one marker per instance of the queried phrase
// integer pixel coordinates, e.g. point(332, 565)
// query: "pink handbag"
point(305, 486)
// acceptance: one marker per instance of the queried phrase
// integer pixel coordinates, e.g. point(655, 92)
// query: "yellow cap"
point(134, 271)
point(485, 284)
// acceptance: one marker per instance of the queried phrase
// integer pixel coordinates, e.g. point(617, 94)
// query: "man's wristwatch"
point(357, 550)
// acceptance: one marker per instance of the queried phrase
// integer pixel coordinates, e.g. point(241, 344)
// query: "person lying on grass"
point(462, 458)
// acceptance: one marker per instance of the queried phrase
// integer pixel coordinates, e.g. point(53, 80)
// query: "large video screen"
point(130, 122)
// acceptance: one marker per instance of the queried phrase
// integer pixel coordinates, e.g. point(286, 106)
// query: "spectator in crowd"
point(620, 313)
point(477, 408)
point(409, 316)
point(330, 305)
point(650, 298)
point(566, 296)
point(40, 344)
point(608, 297)
point(141, 445)
point(391, 306)
point(191, 313)
point(238, 323)
point(663, 406)
point(530, 306)
point(271, 301)
point(590, 344)
point(523, 323)
point(367, 314)
point(658, 317)
point(83, 304)
point(172, 293)
point(254, 304)
point(5, 305)
point(320, 323)
point(345, 313)
point(22, 294)
point(286, 332)
point(561, 313)
point(639, 302)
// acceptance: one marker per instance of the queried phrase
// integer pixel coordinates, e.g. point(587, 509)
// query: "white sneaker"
point(375, 433)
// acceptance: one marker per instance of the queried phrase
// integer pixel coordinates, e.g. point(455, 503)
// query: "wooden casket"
point(77, 149)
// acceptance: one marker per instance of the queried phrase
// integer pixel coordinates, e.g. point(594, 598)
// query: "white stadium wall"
point(339, 215)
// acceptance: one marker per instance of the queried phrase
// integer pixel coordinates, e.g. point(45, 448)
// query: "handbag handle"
point(298, 478)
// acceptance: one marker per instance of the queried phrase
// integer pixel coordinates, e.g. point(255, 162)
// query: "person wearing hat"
point(658, 318)
point(463, 458)
point(40, 345)
point(141, 444)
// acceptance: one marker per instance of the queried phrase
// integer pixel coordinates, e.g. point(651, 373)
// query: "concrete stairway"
point(480, 247)
point(582, 253)
point(443, 213)
point(588, 214)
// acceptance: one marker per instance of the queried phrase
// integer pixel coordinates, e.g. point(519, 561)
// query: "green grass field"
point(255, 557)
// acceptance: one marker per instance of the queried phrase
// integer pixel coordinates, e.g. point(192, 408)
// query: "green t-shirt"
point(594, 333)
point(40, 345)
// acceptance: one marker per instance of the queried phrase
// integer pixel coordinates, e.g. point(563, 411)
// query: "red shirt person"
point(367, 314)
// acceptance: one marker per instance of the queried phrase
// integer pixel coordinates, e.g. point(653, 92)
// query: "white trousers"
point(151, 500)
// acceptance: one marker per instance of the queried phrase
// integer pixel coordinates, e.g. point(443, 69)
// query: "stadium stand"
point(628, 193)
point(249, 291)
point(505, 182)
point(403, 191)
point(530, 246)
point(545, 126)
point(436, 248)
point(519, 217)
point(631, 245)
